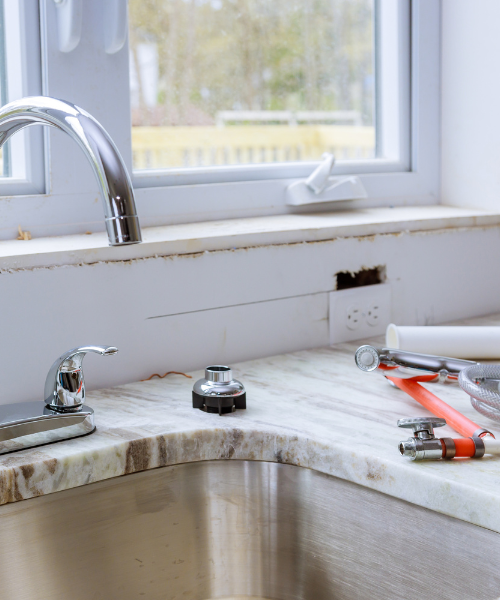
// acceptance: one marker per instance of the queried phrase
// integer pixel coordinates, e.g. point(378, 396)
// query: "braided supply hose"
point(481, 382)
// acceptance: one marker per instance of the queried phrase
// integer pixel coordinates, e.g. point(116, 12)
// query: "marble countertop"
point(312, 409)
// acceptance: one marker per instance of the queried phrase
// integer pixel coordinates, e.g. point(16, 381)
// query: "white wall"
point(471, 103)
point(185, 312)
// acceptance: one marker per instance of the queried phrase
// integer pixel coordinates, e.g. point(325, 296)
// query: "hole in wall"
point(347, 280)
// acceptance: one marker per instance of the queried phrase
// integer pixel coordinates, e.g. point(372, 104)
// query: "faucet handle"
point(65, 385)
point(423, 427)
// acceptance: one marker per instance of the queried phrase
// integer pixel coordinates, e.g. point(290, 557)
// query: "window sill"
point(209, 236)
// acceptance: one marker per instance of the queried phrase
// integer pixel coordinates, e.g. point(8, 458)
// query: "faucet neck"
point(120, 214)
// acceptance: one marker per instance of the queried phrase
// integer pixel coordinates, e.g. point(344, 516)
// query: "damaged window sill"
point(230, 234)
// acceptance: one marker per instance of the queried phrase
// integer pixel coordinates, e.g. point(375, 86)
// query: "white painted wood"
point(426, 95)
point(393, 72)
point(190, 238)
point(77, 211)
point(229, 305)
point(470, 101)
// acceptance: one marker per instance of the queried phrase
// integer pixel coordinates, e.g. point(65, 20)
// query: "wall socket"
point(360, 312)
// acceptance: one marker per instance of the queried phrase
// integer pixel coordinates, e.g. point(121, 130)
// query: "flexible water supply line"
point(481, 382)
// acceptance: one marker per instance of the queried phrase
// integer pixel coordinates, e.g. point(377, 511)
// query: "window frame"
point(393, 135)
point(22, 33)
point(64, 201)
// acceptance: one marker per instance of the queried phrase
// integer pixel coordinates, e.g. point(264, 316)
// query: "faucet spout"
point(122, 223)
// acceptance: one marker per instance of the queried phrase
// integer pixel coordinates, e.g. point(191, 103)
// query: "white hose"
point(481, 382)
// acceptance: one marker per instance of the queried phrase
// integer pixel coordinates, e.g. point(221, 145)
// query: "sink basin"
point(239, 529)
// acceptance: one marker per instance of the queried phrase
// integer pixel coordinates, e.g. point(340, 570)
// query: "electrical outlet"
point(360, 312)
point(353, 316)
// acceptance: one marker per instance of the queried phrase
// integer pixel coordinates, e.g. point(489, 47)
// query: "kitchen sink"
point(239, 529)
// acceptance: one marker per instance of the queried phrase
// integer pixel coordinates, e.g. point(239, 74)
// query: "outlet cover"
point(360, 312)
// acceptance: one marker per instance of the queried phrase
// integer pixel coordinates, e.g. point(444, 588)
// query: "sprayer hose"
point(481, 383)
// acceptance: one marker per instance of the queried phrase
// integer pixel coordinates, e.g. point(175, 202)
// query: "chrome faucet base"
point(29, 424)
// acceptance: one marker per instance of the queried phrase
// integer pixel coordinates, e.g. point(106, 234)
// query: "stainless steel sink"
point(236, 529)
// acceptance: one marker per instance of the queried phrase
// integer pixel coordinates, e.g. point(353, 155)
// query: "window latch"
point(321, 187)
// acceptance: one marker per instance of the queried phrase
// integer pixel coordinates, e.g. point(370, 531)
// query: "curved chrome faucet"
point(122, 223)
point(65, 386)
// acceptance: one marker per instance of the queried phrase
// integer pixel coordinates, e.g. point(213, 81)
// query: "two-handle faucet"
point(120, 215)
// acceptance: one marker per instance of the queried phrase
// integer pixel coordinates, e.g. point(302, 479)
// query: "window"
point(219, 82)
point(218, 105)
point(5, 152)
point(21, 163)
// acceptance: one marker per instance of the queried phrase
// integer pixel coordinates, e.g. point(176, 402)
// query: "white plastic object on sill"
point(446, 340)
point(69, 23)
point(115, 25)
point(318, 179)
point(320, 187)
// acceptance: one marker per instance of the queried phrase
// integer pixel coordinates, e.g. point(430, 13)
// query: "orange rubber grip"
point(460, 423)
point(464, 447)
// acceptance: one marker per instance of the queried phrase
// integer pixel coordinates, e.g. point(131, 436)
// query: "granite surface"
point(312, 409)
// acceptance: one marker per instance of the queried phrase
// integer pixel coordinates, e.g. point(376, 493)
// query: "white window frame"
point(22, 36)
point(407, 119)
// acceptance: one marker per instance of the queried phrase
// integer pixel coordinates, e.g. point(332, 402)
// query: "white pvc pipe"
point(491, 446)
point(457, 342)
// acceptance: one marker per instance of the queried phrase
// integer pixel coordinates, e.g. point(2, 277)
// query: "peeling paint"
point(199, 254)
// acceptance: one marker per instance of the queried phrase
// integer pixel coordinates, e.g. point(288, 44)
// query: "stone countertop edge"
point(311, 408)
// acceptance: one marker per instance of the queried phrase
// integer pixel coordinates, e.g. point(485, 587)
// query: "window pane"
point(4, 152)
point(221, 82)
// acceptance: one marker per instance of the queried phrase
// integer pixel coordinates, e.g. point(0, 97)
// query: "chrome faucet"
point(62, 414)
point(65, 385)
point(120, 215)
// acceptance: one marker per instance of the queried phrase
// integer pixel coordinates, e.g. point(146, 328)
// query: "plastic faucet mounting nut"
point(218, 392)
